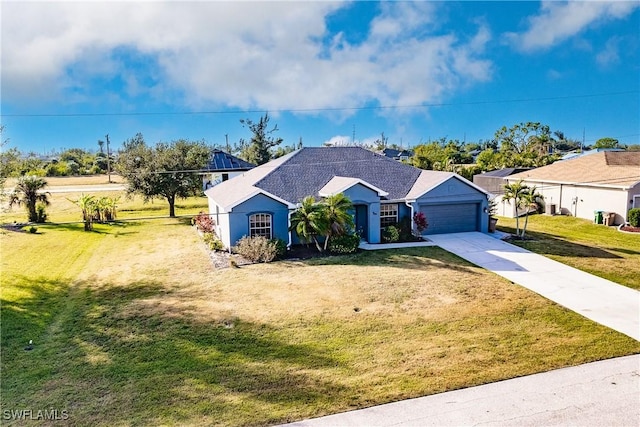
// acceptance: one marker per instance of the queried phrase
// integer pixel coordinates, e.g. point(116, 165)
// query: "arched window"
point(260, 225)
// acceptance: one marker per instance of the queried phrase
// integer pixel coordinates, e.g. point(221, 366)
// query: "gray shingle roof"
point(311, 168)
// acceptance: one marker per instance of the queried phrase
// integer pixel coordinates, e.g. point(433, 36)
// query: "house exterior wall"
point(457, 194)
point(633, 201)
point(237, 223)
point(361, 195)
point(211, 179)
point(580, 201)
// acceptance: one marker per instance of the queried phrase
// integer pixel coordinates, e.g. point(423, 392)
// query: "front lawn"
point(131, 325)
point(596, 249)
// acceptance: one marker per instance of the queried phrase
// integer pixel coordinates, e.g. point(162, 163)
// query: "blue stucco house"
point(383, 191)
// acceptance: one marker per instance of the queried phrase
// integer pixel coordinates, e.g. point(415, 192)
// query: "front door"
point(362, 221)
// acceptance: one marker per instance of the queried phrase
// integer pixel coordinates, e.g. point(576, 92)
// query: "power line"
point(309, 110)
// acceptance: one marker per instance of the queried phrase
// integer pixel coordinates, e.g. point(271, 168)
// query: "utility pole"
point(108, 160)
point(582, 145)
point(228, 147)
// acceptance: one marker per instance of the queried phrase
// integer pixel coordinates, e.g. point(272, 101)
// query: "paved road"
point(85, 188)
point(603, 301)
point(605, 393)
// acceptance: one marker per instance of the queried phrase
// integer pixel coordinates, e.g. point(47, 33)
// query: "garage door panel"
point(451, 218)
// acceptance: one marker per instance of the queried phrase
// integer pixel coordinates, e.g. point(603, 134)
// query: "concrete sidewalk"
point(600, 300)
point(604, 393)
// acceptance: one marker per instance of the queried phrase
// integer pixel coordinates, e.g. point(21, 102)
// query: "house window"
point(260, 225)
point(388, 215)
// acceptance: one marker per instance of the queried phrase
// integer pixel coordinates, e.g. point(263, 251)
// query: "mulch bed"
point(221, 259)
point(630, 229)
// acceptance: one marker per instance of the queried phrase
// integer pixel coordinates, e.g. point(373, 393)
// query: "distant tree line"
point(529, 144)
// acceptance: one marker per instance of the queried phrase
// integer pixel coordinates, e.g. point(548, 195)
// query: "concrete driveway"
point(604, 393)
point(603, 301)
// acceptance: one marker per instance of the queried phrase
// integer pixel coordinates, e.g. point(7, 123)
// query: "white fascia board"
point(351, 183)
point(257, 191)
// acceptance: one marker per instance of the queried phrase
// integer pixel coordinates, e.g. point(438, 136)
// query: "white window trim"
point(385, 214)
point(258, 230)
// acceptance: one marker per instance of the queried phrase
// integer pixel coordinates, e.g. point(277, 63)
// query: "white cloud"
point(559, 21)
point(610, 55)
point(266, 55)
point(338, 141)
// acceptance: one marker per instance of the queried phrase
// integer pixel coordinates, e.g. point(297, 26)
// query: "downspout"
point(410, 206)
point(560, 201)
point(290, 243)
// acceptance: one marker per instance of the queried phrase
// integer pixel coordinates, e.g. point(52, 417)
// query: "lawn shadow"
point(548, 244)
point(146, 360)
point(109, 228)
point(416, 258)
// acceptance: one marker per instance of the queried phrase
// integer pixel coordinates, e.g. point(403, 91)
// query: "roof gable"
point(339, 184)
point(429, 180)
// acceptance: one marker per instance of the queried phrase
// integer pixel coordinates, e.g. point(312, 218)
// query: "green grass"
point(593, 248)
point(132, 326)
point(63, 208)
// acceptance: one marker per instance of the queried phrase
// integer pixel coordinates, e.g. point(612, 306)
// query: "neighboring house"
point(606, 181)
point(383, 191)
point(493, 182)
point(221, 167)
point(399, 155)
point(576, 153)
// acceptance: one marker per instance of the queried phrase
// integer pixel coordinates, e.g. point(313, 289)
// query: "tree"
point(525, 144)
point(514, 192)
point(338, 217)
point(529, 200)
point(4, 170)
point(524, 197)
point(258, 149)
point(309, 221)
point(489, 160)
point(28, 192)
point(606, 143)
point(166, 170)
point(87, 204)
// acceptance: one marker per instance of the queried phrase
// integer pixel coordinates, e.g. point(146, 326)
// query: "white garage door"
point(453, 218)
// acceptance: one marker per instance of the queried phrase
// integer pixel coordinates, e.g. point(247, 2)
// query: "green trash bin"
point(598, 217)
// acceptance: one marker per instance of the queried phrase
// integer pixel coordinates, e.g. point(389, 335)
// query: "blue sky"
point(73, 72)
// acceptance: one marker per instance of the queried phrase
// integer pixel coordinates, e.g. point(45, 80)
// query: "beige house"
point(606, 181)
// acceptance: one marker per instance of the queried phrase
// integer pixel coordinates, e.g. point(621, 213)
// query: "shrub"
point(204, 222)
point(391, 234)
point(634, 217)
point(256, 249)
point(212, 241)
point(281, 247)
point(404, 227)
point(33, 229)
point(421, 222)
point(345, 244)
point(41, 212)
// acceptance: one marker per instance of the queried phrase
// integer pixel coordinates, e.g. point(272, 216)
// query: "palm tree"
point(514, 192)
point(88, 205)
point(339, 219)
point(309, 221)
point(529, 200)
point(28, 192)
